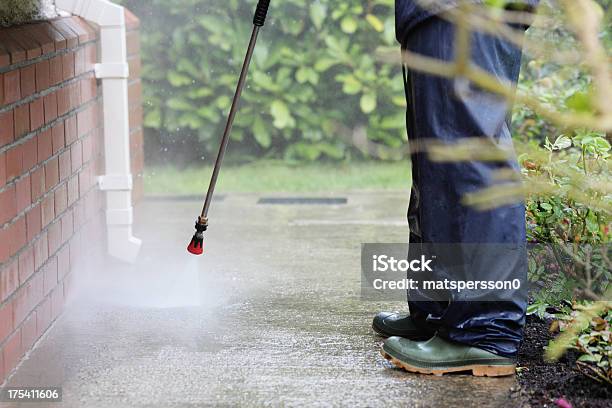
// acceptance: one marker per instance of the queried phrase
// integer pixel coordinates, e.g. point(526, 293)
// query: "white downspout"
point(114, 72)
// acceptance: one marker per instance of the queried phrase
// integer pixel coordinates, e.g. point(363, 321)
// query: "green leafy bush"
point(569, 211)
point(573, 228)
point(314, 70)
point(592, 340)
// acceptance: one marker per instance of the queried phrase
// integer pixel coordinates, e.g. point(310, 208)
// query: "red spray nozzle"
point(196, 246)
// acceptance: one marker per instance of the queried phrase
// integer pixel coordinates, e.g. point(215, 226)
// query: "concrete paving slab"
point(269, 316)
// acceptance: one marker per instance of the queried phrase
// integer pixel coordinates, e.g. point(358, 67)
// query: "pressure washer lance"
point(196, 246)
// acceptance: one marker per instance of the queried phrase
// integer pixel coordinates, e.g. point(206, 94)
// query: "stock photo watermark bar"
point(31, 394)
point(476, 272)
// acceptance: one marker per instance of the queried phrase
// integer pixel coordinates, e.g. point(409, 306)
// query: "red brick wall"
point(51, 150)
point(135, 99)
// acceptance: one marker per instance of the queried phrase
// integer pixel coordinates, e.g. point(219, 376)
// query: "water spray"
point(196, 246)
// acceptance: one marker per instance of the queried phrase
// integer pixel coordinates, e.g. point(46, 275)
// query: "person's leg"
point(436, 213)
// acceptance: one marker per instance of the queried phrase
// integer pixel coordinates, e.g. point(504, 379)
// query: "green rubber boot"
point(389, 324)
point(439, 356)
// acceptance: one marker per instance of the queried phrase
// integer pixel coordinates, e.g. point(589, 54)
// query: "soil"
point(541, 383)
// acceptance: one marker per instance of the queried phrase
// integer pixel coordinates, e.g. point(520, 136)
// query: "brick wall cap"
point(131, 21)
point(39, 33)
point(85, 31)
point(14, 49)
point(82, 35)
point(53, 34)
point(62, 26)
point(19, 37)
point(5, 57)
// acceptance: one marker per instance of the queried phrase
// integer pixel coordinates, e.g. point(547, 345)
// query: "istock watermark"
point(443, 272)
point(481, 272)
point(446, 284)
point(384, 263)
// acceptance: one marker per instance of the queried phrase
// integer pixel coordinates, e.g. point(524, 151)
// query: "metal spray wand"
point(196, 246)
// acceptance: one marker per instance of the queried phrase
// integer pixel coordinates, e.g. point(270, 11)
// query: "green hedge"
point(315, 67)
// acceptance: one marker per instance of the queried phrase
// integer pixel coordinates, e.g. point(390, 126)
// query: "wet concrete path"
point(270, 315)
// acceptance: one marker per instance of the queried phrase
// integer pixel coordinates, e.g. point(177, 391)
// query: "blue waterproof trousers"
point(436, 213)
